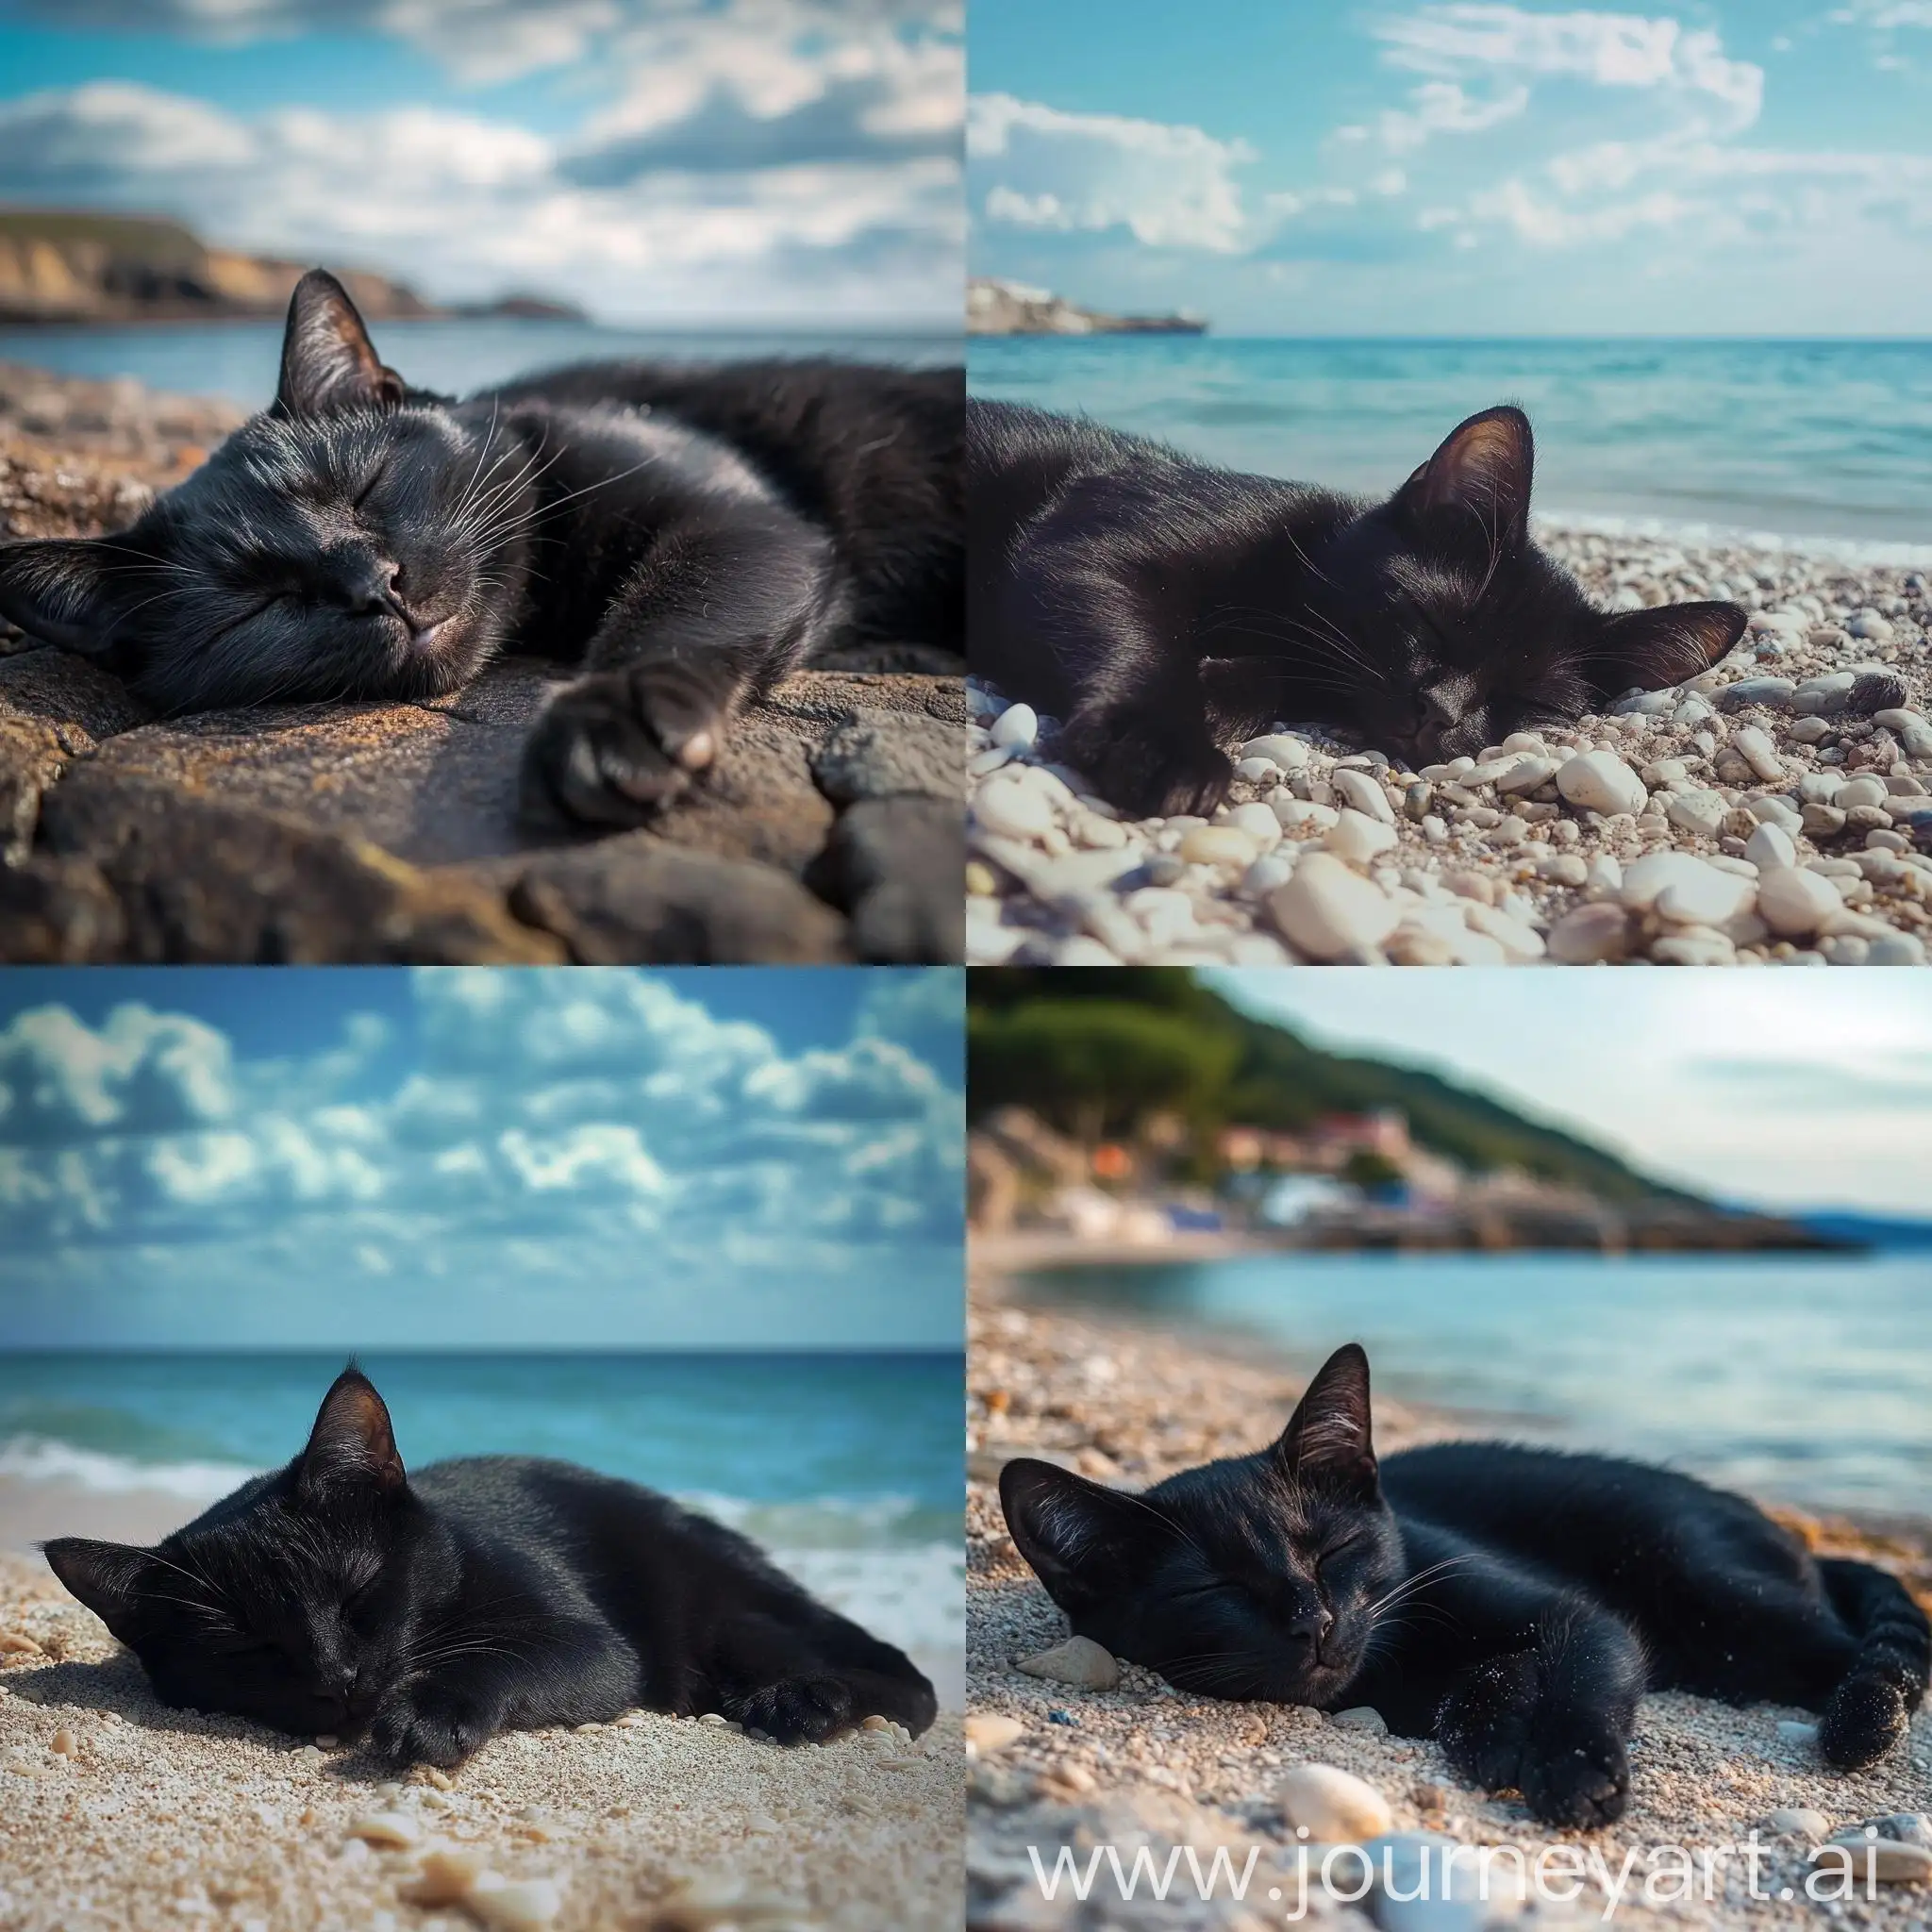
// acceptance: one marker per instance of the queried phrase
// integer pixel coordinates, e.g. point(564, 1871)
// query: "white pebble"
point(1015, 809)
point(1332, 1806)
point(1755, 748)
point(1018, 725)
point(1218, 845)
point(1795, 902)
point(1590, 934)
point(1771, 845)
point(1259, 822)
point(1078, 1661)
point(1358, 837)
point(514, 1905)
point(1364, 791)
point(386, 1828)
point(987, 1733)
point(1699, 812)
point(1601, 781)
point(1291, 754)
point(1328, 911)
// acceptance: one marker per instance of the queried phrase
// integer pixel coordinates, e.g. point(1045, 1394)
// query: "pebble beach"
point(1775, 809)
point(118, 1815)
point(1071, 1747)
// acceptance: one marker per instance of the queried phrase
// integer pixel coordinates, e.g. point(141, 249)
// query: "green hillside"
point(1090, 1051)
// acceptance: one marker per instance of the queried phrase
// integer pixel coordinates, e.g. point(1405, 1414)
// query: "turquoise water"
point(1805, 1378)
point(1821, 441)
point(846, 1466)
point(239, 360)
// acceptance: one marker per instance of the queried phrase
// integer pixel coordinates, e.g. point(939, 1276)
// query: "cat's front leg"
point(713, 612)
point(1151, 761)
point(437, 1720)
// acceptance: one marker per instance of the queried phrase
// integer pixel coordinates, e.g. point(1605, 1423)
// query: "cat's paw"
point(617, 747)
point(1485, 1723)
point(430, 1727)
point(1575, 1772)
point(1146, 767)
point(800, 1711)
point(1865, 1717)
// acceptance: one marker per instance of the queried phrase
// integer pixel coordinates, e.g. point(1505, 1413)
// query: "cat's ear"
point(1477, 485)
point(352, 1445)
point(57, 588)
point(1085, 1541)
point(328, 363)
point(1328, 1441)
point(1648, 650)
point(107, 1577)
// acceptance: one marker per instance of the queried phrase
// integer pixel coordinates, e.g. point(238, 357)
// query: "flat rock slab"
point(345, 832)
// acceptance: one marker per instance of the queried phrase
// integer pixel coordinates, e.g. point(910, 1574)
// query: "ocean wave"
point(915, 1598)
point(45, 1459)
point(1864, 553)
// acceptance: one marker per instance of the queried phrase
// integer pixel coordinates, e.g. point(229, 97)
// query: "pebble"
point(1289, 754)
point(1257, 771)
point(987, 1733)
point(1259, 822)
point(1359, 838)
point(1601, 781)
point(1701, 812)
point(1218, 845)
point(1330, 912)
point(1884, 1858)
point(1012, 807)
point(1016, 728)
point(1755, 748)
point(1795, 902)
point(1771, 845)
point(514, 1905)
point(1756, 690)
point(1365, 793)
point(1361, 1717)
point(1704, 897)
point(1078, 1661)
point(1332, 1806)
point(1795, 1732)
point(386, 1828)
point(446, 1876)
point(1795, 1822)
point(1590, 935)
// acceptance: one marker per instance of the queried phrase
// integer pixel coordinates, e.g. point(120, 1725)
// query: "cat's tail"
point(1870, 1707)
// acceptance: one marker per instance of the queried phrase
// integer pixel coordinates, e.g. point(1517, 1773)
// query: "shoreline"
point(1125, 1402)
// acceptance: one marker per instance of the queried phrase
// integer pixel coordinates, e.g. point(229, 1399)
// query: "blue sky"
point(573, 1158)
point(756, 162)
point(1781, 1089)
point(1443, 169)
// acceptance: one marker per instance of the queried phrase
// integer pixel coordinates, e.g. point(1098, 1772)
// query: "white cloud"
point(1169, 186)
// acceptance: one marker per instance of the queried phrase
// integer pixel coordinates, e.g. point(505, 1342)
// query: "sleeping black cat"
point(1512, 1603)
point(1160, 607)
point(686, 534)
point(430, 1611)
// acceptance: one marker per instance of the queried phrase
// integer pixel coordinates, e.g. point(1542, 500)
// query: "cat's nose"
point(1313, 1626)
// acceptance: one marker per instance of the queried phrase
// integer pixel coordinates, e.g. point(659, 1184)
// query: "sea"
point(240, 360)
point(1804, 1379)
point(847, 1468)
point(1821, 446)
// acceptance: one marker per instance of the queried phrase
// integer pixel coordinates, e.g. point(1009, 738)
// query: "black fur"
point(686, 534)
point(1512, 1603)
point(428, 1612)
point(1160, 607)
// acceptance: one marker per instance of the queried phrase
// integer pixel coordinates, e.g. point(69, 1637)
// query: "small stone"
point(1361, 1717)
point(64, 1743)
point(987, 1733)
point(514, 1905)
point(1883, 1859)
point(1257, 771)
point(1328, 912)
point(1869, 623)
point(1332, 1805)
point(1012, 809)
point(1217, 846)
point(1705, 897)
point(1771, 845)
point(1288, 753)
point(1699, 812)
point(1795, 1822)
point(1795, 901)
point(1078, 1661)
point(446, 1876)
point(1794, 1732)
point(1755, 748)
point(1528, 774)
point(1364, 791)
point(1590, 935)
point(1301, 816)
point(1855, 792)
point(386, 1828)
point(1756, 690)
point(1259, 822)
point(1601, 781)
point(1824, 820)
point(1359, 838)
point(1017, 726)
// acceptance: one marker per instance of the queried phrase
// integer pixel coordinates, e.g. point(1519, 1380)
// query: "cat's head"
point(294, 1602)
point(1259, 1577)
point(1446, 629)
point(358, 539)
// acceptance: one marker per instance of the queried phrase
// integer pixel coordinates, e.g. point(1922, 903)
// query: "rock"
point(884, 754)
point(1823, 821)
point(1078, 1661)
point(1699, 812)
point(1601, 781)
point(1365, 793)
point(1795, 902)
point(1332, 1806)
point(894, 866)
point(1290, 753)
point(1257, 771)
point(1787, 1822)
point(1358, 837)
point(1017, 726)
point(386, 1828)
point(1528, 774)
point(1704, 897)
point(514, 1905)
point(1869, 623)
point(1756, 690)
point(1881, 1858)
point(1259, 822)
point(987, 1733)
point(1218, 845)
point(1015, 809)
point(1902, 1828)
point(1590, 935)
point(1771, 845)
point(1361, 1717)
point(1793, 1731)
point(1301, 816)
point(1646, 878)
point(1330, 912)
point(1755, 748)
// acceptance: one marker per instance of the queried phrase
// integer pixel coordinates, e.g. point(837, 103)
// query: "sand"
point(1492, 860)
point(162, 1818)
point(1146, 1764)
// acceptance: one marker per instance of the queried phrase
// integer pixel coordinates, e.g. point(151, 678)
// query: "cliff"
point(1006, 309)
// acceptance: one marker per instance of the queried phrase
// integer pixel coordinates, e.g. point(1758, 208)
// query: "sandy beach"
point(1774, 809)
point(1145, 1765)
point(118, 1814)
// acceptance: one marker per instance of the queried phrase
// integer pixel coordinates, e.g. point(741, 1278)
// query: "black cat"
point(430, 1612)
point(1159, 606)
point(687, 534)
point(1512, 1603)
